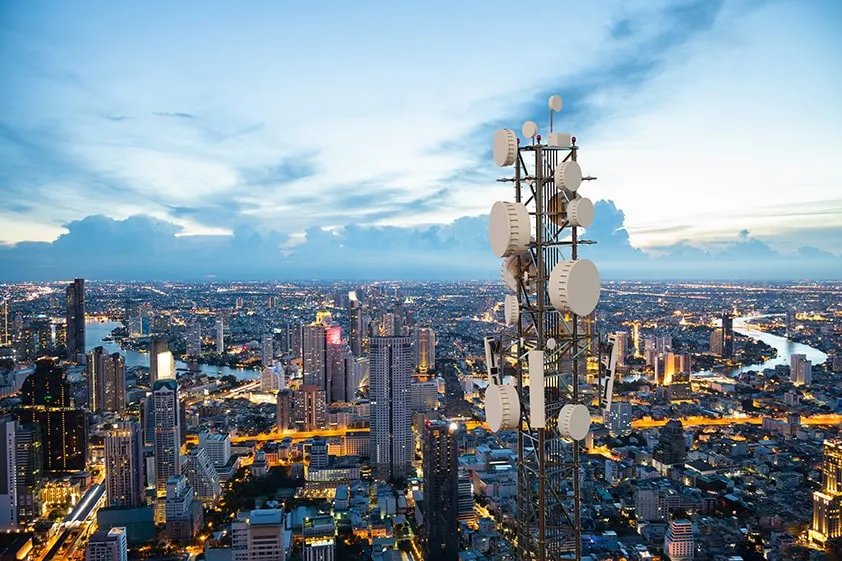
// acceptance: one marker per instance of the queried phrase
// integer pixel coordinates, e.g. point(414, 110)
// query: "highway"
point(74, 525)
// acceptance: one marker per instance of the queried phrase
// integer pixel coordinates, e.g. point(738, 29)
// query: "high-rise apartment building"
point(220, 336)
point(790, 323)
point(30, 466)
point(217, 445)
point(678, 541)
point(355, 324)
point(622, 347)
point(800, 370)
point(390, 420)
point(5, 339)
point(110, 545)
point(827, 502)
point(722, 339)
point(106, 381)
point(47, 399)
point(202, 476)
point(75, 320)
point(266, 535)
point(441, 491)
point(8, 473)
point(314, 355)
point(124, 465)
point(157, 347)
point(183, 512)
point(618, 419)
point(167, 434)
point(193, 342)
point(267, 350)
point(310, 408)
point(424, 347)
point(284, 417)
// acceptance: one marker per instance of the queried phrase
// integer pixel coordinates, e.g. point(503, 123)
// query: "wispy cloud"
point(174, 114)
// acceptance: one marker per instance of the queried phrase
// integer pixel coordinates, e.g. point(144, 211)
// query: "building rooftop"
point(269, 516)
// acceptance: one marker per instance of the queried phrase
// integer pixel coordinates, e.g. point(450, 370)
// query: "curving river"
point(96, 330)
point(784, 346)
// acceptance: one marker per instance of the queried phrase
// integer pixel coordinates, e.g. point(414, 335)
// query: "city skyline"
point(264, 149)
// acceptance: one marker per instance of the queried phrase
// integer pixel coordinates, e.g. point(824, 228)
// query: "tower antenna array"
point(540, 357)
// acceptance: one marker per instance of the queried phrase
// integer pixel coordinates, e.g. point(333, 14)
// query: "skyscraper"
point(441, 491)
point(46, 399)
point(267, 351)
point(167, 434)
point(671, 448)
point(284, 410)
point(202, 476)
point(106, 381)
point(220, 335)
point(618, 418)
point(30, 466)
point(156, 348)
point(314, 355)
point(727, 335)
point(194, 339)
point(75, 320)
point(355, 324)
point(310, 408)
point(827, 502)
point(790, 323)
point(391, 427)
point(5, 340)
point(424, 345)
point(8, 474)
point(800, 370)
point(124, 465)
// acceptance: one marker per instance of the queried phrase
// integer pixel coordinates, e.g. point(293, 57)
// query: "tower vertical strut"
point(539, 359)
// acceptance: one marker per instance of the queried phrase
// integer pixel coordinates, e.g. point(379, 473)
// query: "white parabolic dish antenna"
point(502, 407)
point(574, 287)
point(530, 129)
point(505, 147)
point(555, 103)
point(508, 228)
point(568, 175)
point(580, 212)
point(574, 421)
point(511, 313)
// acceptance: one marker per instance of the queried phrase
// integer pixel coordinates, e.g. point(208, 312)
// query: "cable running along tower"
point(537, 364)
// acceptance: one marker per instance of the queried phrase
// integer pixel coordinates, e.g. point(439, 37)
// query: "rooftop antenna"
point(548, 334)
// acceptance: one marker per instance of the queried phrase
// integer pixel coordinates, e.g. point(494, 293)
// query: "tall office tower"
point(314, 355)
point(106, 381)
point(341, 364)
point(61, 335)
point(193, 341)
point(156, 348)
point(636, 339)
point(285, 410)
point(8, 474)
point(165, 366)
point(183, 511)
point(5, 340)
point(388, 326)
point(267, 351)
point(678, 541)
point(827, 502)
point(800, 370)
point(124, 466)
point(391, 426)
point(110, 545)
point(319, 538)
point(335, 360)
point(167, 434)
point(671, 448)
point(310, 408)
point(266, 535)
point(727, 335)
point(622, 347)
point(75, 320)
point(220, 335)
point(441, 491)
point(147, 419)
point(618, 419)
point(355, 324)
point(30, 466)
point(790, 323)
point(202, 476)
point(217, 445)
point(424, 347)
point(47, 401)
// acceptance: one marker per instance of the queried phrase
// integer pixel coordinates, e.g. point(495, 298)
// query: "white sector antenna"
point(530, 129)
point(505, 147)
point(555, 103)
point(511, 309)
point(568, 175)
point(574, 421)
point(508, 228)
point(574, 287)
point(502, 407)
point(580, 212)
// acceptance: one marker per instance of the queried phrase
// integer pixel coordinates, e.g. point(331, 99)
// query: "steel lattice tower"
point(544, 344)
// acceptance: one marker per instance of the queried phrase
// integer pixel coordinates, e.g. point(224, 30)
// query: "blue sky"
point(335, 139)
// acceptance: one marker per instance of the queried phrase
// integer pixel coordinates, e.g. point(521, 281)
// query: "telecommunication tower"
point(538, 361)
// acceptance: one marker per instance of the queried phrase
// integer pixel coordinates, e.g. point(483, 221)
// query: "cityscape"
point(346, 421)
point(436, 281)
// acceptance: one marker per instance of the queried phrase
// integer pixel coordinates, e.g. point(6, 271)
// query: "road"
point(75, 525)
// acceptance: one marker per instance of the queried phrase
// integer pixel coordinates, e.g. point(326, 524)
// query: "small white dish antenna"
point(505, 147)
point(574, 287)
point(580, 212)
point(551, 343)
point(502, 407)
point(574, 421)
point(555, 103)
point(508, 228)
point(568, 175)
point(530, 129)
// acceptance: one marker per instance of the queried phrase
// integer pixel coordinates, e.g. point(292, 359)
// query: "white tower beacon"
point(538, 235)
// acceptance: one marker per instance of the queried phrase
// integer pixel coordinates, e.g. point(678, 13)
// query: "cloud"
point(144, 248)
point(176, 114)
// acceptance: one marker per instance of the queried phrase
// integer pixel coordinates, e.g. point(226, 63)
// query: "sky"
point(352, 140)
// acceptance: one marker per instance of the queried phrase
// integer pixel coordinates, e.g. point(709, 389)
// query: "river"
point(96, 330)
point(784, 346)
